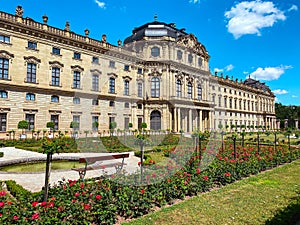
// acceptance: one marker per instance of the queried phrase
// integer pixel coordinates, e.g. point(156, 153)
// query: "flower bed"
point(103, 201)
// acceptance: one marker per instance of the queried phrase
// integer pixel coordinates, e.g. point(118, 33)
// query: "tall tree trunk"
point(47, 176)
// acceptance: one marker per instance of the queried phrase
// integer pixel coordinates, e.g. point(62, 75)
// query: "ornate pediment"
point(190, 42)
point(77, 68)
point(32, 59)
point(6, 54)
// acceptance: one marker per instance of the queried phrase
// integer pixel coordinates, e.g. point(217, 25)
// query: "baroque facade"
point(159, 75)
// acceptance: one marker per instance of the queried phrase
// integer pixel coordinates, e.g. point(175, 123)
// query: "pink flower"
point(2, 193)
point(77, 194)
point(15, 217)
point(205, 178)
point(51, 204)
point(198, 170)
point(2, 204)
point(35, 216)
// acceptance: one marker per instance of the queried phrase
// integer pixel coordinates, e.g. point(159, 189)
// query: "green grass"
point(252, 201)
point(40, 166)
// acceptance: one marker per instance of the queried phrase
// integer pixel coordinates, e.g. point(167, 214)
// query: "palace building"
point(158, 75)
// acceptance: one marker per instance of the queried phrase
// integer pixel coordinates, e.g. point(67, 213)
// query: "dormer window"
point(155, 51)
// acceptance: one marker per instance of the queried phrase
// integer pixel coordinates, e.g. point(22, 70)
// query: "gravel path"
point(35, 181)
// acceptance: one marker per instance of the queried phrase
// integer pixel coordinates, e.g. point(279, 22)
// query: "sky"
point(260, 39)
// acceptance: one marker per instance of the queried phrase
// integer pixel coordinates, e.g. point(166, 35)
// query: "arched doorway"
point(155, 120)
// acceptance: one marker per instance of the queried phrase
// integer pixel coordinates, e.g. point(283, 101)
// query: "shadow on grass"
point(289, 215)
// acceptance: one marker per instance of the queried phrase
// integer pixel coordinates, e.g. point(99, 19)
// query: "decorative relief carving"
point(191, 42)
point(127, 78)
point(19, 11)
point(112, 75)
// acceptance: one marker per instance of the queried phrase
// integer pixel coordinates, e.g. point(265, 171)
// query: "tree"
point(51, 146)
point(23, 124)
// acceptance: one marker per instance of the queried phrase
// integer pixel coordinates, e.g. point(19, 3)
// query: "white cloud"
point(280, 92)
point(293, 8)
point(194, 1)
point(229, 67)
point(218, 70)
point(250, 17)
point(100, 4)
point(269, 73)
point(294, 96)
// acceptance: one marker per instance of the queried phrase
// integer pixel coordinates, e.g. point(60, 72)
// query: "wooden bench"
point(95, 163)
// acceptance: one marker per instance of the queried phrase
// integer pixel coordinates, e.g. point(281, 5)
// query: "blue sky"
point(256, 38)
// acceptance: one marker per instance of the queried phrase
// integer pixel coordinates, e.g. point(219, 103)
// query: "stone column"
point(175, 120)
point(190, 121)
point(200, 120)
point(277, 124)
point(178, 120)
point(285, 123)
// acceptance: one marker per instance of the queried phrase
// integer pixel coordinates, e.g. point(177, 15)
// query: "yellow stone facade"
point(160, 77)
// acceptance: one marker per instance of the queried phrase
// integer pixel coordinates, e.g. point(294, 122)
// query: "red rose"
point(15, 217)
point(34, 204)
point(35, 216)
point(98, 197)
point(143, 191)
point(205, 178)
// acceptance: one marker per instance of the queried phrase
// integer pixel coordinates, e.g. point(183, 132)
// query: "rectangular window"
point(3, 121)
point(95, 60)
point(54, 98)
point(111, 104)
point(56, 51)
point(111, 120)
point(32, 45)
point(76, 80)
point(126, 67)
point(76, 120)
point(140, 71)
point(112, 85)
point(126, 87)
point(95, 102)
point(112, 64)
point(55, 79)
point(76, 100)
point(126, 123)
point(54, 119)
point(3, 68)
point(213, 99)
point(30, 119)
point(140, 90)
point(95, 83)
point(225, 102)
point(31, 73)
point(77, 55)
point(3, 94)
point(4, 39)
point(95, 123)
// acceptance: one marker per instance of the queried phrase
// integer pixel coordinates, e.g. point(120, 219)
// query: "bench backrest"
point(93, 159)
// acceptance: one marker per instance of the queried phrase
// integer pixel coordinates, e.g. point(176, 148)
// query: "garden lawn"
point(252, 201)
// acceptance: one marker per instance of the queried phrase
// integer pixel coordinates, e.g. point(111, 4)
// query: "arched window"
point(112, 85)
point(30, 97)
point(178, 88)
point(155, 51)
point(54, 98)
point(155, 120)
point(189, 90)
point(199, 92)
point(155, 87)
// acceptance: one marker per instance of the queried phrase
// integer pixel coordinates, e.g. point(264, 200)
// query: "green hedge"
point(1, 154)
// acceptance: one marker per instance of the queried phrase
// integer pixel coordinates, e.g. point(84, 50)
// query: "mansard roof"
point(257, 84)
point(155, 29)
